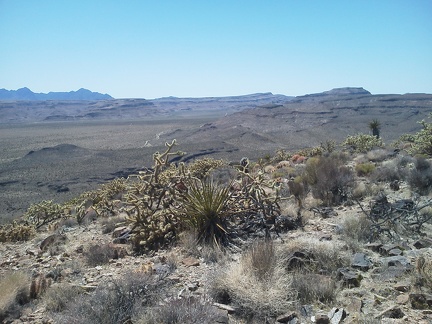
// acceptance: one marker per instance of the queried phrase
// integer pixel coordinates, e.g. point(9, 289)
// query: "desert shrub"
point(298, 187)
point(256, 289)
point(362, 190)
point(57, 297)
point(420, 177)
point(329, 179)
point(14, 287)
point(392, 170)
point(97, 254)
point(180, 310)
point(379, 155)
point(115, 301)
point(364, 169)
point(362, 143)
point(313, 287)
point(356, 230)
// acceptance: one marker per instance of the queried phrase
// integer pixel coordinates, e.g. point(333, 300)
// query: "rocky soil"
point(379, 283)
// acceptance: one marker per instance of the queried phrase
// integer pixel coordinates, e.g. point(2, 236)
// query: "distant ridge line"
point(26, 94)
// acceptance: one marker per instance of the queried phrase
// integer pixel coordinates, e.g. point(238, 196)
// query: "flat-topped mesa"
point(338, 92)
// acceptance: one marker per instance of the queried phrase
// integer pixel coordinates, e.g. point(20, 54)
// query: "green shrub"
point(362, 143)
point(364, 169)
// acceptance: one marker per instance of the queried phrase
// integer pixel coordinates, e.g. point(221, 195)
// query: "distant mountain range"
point(27, 94)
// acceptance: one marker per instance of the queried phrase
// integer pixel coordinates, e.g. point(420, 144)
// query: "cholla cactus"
point(362, 143)
point(149, 199)
point(421, 142)
point(15, 232)
point(44, 212)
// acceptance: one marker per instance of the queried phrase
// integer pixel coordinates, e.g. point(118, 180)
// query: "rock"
point(349, 277)
point(118, 231)
point(396, 261)
point(423, 243)
point(402, 286)
point(392, 312)
point(222, 316)
point(322, 319)
point(193, 286)
point(191, 262)
point(336, 315)
point(394, 252)
point(373, 246)
point(306, 310)
point(228, 308)
point(421, 301)
point(286, 318)
point(52, 240)
point(402, 299)
point(354, 306)
point(361, 261)
point(326, 237)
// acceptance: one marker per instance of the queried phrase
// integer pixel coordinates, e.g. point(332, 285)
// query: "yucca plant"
point(205, 209)
point(375, 126)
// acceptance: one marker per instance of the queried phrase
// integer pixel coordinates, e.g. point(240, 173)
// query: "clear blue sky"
point(151, 49)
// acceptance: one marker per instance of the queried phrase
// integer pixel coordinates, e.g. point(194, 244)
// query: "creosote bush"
point(330, 180)
point(364, 169)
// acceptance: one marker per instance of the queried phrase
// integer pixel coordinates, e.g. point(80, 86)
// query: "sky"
point(160, 48)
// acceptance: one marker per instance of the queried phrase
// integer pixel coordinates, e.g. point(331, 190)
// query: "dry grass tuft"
point(180, 310)
point(314, 255)
point(57, 297)
point(258, 284)
point(14, 288)
point(313, 287)
point(356, 230)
